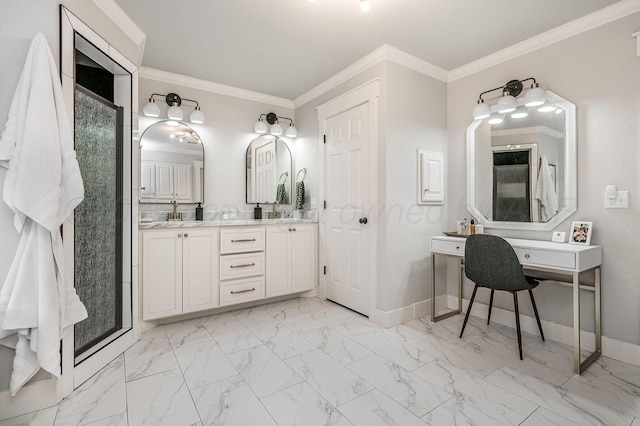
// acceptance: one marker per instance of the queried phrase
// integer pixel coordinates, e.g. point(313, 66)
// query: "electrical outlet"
point(620, 202)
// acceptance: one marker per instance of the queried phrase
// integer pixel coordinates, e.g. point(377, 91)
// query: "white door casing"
point(349, 185)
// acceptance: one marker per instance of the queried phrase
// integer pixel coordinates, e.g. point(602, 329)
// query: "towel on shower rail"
point(281, 194)
point(42, 186)
point(299, 195)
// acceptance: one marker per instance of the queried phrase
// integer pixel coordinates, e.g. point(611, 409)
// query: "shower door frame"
point(126, 88)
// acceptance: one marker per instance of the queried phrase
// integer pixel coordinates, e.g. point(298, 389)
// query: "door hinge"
point(324, 138)
point(324, 268)
point(324, 204)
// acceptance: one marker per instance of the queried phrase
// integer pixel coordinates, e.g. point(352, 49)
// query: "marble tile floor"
point(311, 362)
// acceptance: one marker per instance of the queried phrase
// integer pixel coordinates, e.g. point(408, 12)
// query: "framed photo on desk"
point(581, 233)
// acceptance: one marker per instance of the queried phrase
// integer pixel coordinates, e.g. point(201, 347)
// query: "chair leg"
point(515, 304)
point(466, 317)
point(490, 306)
point(535, 310)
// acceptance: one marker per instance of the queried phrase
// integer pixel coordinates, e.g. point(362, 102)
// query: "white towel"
point(546, 192)
point(42, 186)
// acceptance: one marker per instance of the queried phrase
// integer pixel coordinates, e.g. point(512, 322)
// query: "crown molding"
point(208, 86)
point(588, 22)
point(384, 52)
point(122, 20)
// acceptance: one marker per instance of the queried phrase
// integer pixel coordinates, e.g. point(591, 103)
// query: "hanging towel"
point(546, 192)
point(42, 186)
point(299, 195)
point(281, 194)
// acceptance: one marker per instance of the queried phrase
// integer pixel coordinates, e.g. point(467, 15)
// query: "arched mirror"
point(522, 172)
point(269, 171)
point(172, 164)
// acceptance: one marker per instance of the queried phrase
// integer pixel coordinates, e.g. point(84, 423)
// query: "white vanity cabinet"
point(179, 271)
point(292, 255)
point(242, 264)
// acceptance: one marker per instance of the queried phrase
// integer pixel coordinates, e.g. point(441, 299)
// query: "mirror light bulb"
point(365, 5)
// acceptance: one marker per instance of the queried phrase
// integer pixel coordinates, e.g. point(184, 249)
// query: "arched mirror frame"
point(286, 154)
point(197, 172)
point(569, 203)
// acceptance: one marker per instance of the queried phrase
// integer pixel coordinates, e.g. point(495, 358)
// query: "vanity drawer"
point(546, 258)
point(449, 247)
point(236, 240)
point(241, 265)
point(239, 291)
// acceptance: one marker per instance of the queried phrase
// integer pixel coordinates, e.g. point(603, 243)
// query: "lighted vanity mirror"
point(269, 171)
point(172, 164)
point(522, 173)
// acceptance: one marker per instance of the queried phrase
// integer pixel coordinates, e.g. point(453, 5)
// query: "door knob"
point(363, 220)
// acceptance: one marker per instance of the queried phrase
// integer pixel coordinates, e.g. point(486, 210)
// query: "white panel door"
point(200, 278)
point(347, 188)
point(148, 180)
point(183, 182)
point(304, 257)
point(161, 273)
point(278, 263)
point(164, 181)
point(266, 172)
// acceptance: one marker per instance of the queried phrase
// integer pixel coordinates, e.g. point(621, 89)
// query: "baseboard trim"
point(416, 310)
point(612, 348)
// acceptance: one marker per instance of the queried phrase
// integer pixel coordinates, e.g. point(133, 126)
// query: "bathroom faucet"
point(175, 206)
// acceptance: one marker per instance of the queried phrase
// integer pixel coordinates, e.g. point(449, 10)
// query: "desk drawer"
point(450, 247)
point(241, 265)
point(546, 258)
point(244, 290)
point(236, 240)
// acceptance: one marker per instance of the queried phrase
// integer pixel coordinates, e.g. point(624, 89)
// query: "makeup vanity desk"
point(567, 260)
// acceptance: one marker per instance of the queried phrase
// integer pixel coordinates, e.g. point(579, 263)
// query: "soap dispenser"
point(257, 212)
point(199, 211)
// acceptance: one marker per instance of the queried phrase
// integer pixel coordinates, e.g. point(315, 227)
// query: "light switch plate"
point(620, 202)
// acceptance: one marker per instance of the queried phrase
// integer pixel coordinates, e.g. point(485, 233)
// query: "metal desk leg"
point(579, 367)
point(576, 322)
point(435, 318)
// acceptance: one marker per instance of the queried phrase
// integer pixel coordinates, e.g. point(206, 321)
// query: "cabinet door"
point(161, 273)
point(278, 256)
point(183, 182)
point(148, 180)
point(164, 181)
point(304, 257)
point(200, 283)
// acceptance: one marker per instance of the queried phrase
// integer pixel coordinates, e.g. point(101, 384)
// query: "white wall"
point(411, 116)
point(21, 21)
point(600, 73)
point(226, 134)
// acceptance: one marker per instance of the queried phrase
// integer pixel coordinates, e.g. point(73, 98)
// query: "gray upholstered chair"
point(490, 261)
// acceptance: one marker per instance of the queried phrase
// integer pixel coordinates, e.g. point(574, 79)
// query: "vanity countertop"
point(207, 223)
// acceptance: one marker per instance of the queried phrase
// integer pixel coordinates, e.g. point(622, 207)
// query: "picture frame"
point(580, 233)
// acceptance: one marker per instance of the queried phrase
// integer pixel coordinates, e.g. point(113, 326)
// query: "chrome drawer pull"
point(243, 266)
point(244, 241)
point(244, 291)
point(526, 255)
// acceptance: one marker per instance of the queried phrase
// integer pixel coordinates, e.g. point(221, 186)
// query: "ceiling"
point(285, 48)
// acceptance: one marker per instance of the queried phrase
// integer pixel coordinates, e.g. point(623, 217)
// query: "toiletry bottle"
point(257, 212)
point(465, 227)
point(199, 211)
point(472, 227)
point(459, 227)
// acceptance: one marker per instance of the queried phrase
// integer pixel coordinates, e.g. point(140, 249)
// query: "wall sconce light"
point(260, 126)
point(151, 109)
point(535, 96)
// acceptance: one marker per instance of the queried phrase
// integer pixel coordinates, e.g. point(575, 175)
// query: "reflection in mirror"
point(269, 171)
point(522, 171)
point(172, 164)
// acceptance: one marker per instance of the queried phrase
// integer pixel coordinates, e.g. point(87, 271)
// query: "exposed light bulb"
point(365, 5)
